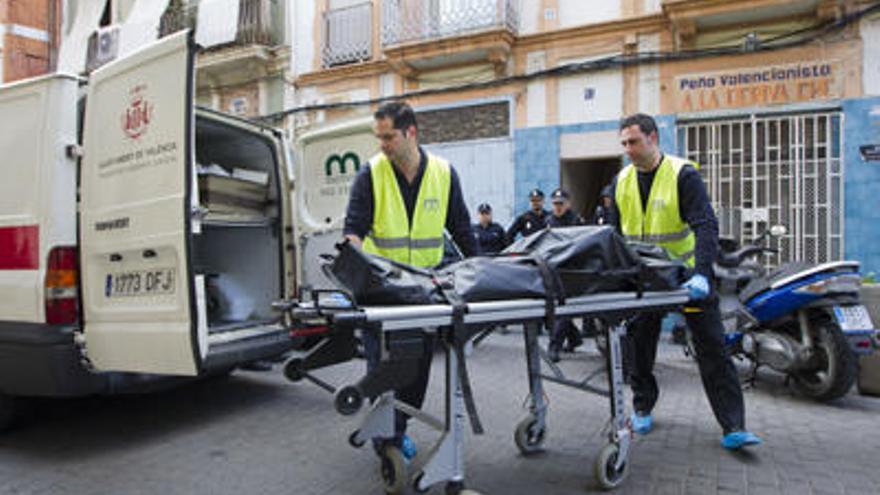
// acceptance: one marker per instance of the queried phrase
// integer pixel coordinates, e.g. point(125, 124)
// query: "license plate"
point(853, 317)
point(157, 281)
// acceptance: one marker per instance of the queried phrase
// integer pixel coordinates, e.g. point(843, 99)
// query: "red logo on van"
point(137, 116)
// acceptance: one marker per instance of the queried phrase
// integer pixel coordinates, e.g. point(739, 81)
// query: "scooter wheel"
point(834, 367)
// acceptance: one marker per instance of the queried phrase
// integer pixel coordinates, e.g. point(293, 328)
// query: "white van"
point(158, 252)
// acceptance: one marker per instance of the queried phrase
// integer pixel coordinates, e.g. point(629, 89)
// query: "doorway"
point(584, 180)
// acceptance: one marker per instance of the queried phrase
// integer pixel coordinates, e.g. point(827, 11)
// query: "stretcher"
point(339, 322)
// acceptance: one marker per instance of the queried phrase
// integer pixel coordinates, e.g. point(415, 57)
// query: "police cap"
point(536, 194)
point(559, 195)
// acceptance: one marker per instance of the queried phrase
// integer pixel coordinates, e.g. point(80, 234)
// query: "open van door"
point(136, 185)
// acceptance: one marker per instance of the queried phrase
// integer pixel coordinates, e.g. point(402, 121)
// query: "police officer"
point(603, 209)
point(399, 205)
point(490, 235)
point(661, 198)
point(531, 221)
point(564, 329)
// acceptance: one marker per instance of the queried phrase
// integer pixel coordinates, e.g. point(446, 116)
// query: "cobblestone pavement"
point(255, 433)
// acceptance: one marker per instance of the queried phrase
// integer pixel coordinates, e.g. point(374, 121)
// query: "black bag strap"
point(555, 293)
point(457, 339)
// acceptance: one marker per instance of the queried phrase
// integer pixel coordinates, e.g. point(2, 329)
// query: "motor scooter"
point(800, 319)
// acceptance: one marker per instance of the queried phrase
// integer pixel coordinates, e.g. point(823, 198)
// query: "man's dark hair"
point(645, 122)
point(401, 114)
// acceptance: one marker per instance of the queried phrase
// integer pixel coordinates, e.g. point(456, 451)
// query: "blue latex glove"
point(697, 286)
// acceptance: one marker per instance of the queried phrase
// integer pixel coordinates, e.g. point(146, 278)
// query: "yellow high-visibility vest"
point(660, 223)
point(390, 235)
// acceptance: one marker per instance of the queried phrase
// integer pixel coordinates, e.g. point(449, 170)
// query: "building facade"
point(778, 100)
point(245, 46)
point(28, 38)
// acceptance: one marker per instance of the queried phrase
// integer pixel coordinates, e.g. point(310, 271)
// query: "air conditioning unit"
point(103, 47)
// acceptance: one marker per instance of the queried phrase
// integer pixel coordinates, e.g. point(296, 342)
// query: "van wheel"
point(834, 367)
point(7, 411)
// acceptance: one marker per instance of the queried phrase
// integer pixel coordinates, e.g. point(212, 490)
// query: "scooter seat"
point(762, 284)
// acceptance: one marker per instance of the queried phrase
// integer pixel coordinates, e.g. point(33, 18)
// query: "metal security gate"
point(775, 170)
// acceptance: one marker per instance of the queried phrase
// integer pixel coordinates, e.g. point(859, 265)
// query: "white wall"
point(605, 103)
point(529, 12)
point(870, 29)
point(341, 4)
point(302, 27)
point(485, 169)
point(536, 91)
point(649, 77)
point(652, 6)
point(580, 12)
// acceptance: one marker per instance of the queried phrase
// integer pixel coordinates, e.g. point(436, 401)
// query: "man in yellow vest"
point(661, 199)
point(398, 207)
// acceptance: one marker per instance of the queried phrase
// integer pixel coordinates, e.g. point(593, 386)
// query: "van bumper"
point(42, 360)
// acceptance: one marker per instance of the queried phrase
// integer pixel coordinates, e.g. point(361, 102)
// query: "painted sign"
point(759, 86)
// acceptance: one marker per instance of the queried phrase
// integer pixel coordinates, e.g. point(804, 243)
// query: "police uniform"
point(563, 329)
point(529, 222)
point(491, 239)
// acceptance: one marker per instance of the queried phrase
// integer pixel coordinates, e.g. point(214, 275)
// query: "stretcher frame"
point(445, 460)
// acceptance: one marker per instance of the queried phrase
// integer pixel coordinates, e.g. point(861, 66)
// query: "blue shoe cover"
point(642, 424)
point(408, 448)
point(738, 439)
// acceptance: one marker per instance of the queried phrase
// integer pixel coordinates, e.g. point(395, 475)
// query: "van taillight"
point(62, 299)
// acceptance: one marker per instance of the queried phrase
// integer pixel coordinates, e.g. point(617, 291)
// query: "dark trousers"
point(720, 380)
point(412, 393)
point(564, 328)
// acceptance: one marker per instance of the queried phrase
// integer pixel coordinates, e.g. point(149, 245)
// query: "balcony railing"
point(406, 21)
point(348, 35)
point(255, 21)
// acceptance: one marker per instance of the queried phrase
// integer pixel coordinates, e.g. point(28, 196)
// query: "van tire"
point(7, 411)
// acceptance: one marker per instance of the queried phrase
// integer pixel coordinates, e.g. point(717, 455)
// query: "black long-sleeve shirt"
point(567, 219)
point(359, 214)
point(694, 208)
point(527, 223)
point(491, 238)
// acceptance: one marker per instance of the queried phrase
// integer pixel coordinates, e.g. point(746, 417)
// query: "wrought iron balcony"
point(415, 21)
point(255, 21)
point(348, 35)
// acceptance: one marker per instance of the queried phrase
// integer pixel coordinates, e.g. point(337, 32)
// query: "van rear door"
point(136, 186)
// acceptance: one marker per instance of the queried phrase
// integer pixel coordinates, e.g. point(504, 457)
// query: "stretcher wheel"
point(349, 400)
point(606, 474)
point(457, 488)
point(293, 370)
point(353, 439)
point(393, 470)
point(416, 484)
point(528, 437)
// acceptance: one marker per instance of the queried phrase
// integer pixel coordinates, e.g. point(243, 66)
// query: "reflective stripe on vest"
point(660, 223)
point(390, 235)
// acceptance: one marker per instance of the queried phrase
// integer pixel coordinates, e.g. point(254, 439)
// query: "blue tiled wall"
point(862, 184)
